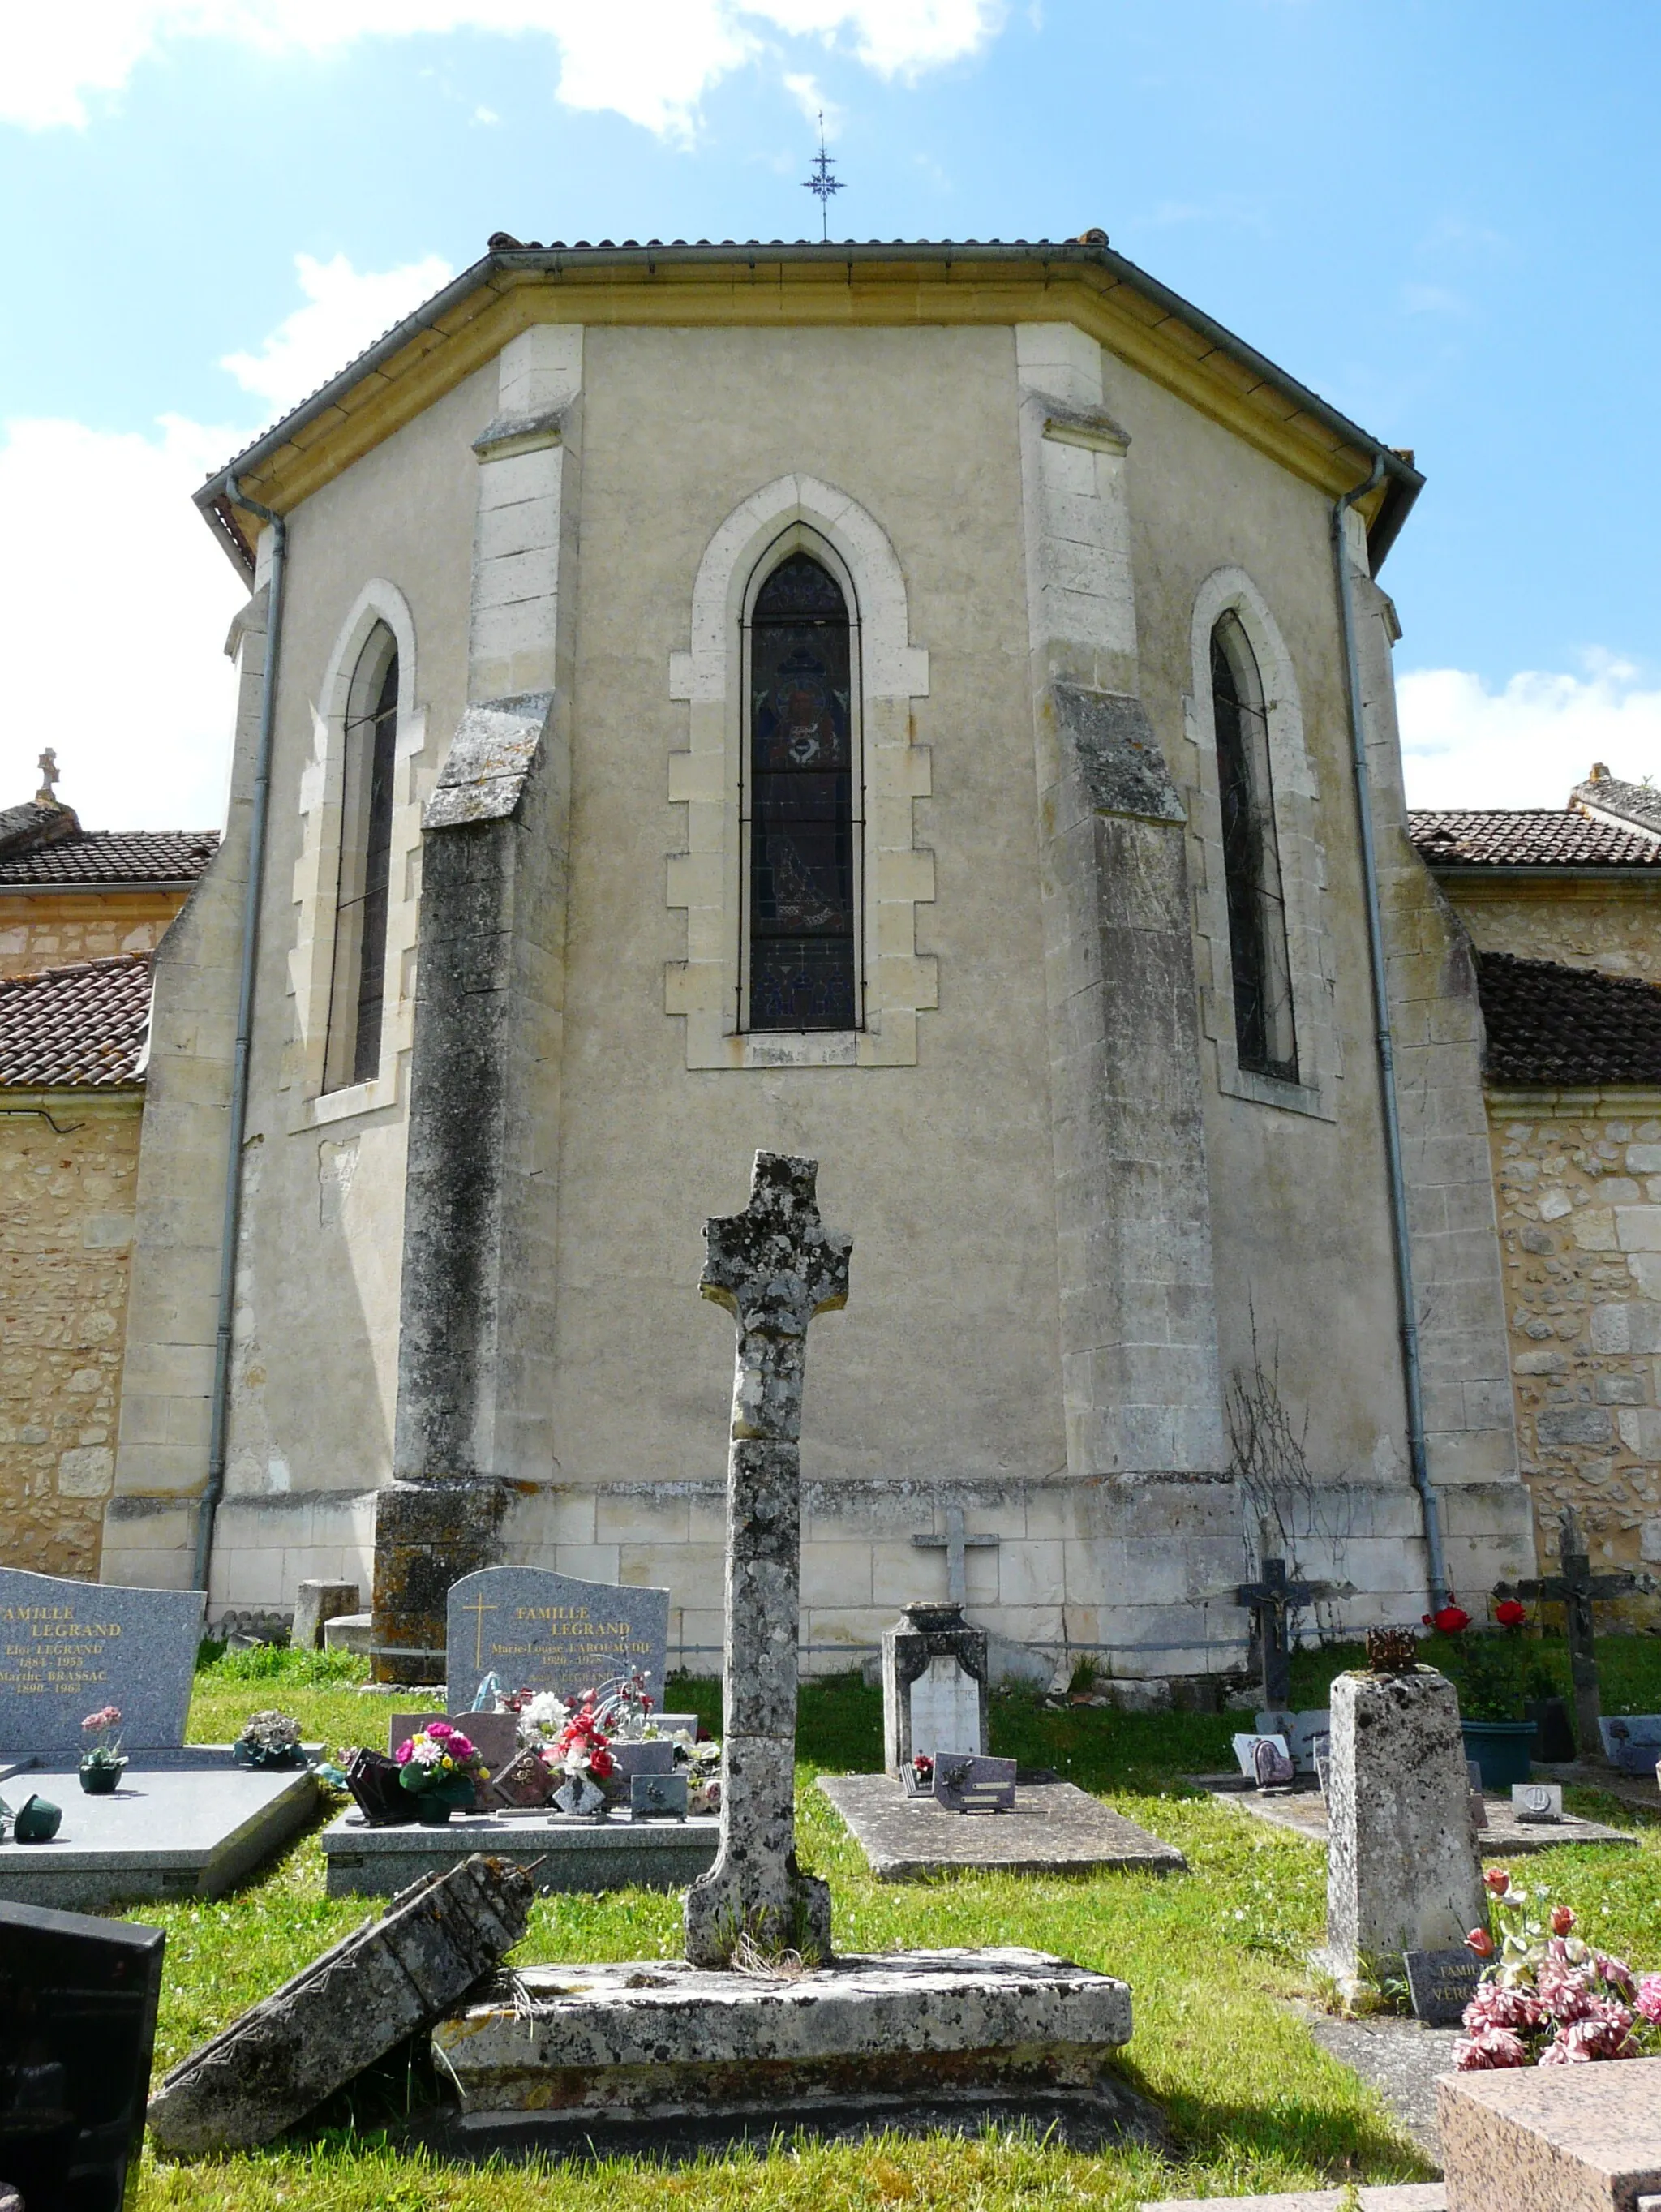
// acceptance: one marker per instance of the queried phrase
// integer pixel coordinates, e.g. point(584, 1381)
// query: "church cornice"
point(514, 287)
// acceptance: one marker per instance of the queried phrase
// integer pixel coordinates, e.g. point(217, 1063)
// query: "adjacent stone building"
point(80, 913)
point(1563, 908)
point(886, 704)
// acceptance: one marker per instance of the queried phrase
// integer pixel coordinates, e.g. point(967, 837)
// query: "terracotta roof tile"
point(80, 1026)
point(1569, 1028)
point(1529, 837)
point(94, 857)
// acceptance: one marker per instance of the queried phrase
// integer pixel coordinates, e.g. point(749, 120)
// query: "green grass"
point(1213, 1957)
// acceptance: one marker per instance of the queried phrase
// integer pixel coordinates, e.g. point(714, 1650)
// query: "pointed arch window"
point(358, 977)
point(801, 819)
point(1265, 1036)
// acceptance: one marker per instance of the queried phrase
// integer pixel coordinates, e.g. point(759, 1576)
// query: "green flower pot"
point(100, 1778)
point(1502, 1749)
point(38, 1821)
point(432, 1810)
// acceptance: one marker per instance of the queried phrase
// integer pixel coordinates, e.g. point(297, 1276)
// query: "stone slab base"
point(575, 1855)
point(1055, 1828)
point(1506, 1836)
point(1566, 2139)
point(1413, 2196)
point(191, 1827)
point(664, 2039)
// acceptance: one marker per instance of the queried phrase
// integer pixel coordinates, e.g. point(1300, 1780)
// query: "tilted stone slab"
point(347, 2008)
point(1055, 1828)
point(666, 2038)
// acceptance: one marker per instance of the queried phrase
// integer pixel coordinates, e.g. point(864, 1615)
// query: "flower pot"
point(431, 1810)
point(1502, 1749)
point(100, 1780)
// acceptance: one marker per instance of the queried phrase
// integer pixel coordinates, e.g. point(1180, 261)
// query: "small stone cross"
point(774, 1266)
point(1575, 1586)
point(954, 1544)
point(47, 765)
point(1268, 1601)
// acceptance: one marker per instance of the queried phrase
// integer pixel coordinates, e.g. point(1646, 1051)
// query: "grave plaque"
point(78, 2002)
point(69, 1647)
point(1631, 1742)
point(1441, 1983)
point(974, 1785)
point(538, 1631)
point(1305, 1734)
point(1538, 1801)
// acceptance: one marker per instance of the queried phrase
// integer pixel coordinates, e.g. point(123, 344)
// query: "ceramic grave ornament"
point(775, 1267)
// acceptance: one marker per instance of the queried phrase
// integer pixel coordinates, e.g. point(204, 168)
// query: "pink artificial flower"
point(1563, 1992)
point(1609, 2037)
point(1495, 2006)
point(1559, 2054)
point(1490, 2047)
point(1497, 1881)
point(1649, 1999)
point(405, 1751)
point(440, 1728)
point(1616, 1972)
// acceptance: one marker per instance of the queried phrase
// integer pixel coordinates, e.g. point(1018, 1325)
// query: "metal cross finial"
point(47, 765)
point(822, 184)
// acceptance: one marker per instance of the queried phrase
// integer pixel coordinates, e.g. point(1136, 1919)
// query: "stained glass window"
point(799, 802)
point(357, 983)
point(1264, 1036)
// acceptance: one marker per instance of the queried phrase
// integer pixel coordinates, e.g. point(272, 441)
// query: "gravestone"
point(67, 1648)
point(775, 1267)
point(934, 1684)
point(536, 1629)
point(1631, 1742)
point(78, 2001)
point(1402, 1873)
point(1441, 1983)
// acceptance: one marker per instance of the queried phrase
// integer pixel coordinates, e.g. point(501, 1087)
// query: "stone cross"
point(954, 1544)
point(1268, 1601)
point(47, 765)
point(1575, 1586)
point(774, 1266)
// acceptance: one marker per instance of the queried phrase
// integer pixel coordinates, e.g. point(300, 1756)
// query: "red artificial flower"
point(1509, 1613)
point(1481, 1942)
point(1450, 1619)
point(1499, 1881)
point(1562, 1920)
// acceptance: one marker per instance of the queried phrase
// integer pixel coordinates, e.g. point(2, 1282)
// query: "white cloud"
point(344, 312)
point(1530, 744)
point(651, 62)
point(115, 657)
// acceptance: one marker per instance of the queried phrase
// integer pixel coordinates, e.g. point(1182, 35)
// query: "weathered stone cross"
point(1575, 1588)
point(774, 1266)
point(954, 1543)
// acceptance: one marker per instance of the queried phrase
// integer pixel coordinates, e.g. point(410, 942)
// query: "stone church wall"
point(43, 931)
point(67, 1196)
point(1578, 923)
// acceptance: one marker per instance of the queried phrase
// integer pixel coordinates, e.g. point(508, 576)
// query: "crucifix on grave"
point(1269, 1599)
point(1575, 1588)
point(954, 1544)
point(775, 1267)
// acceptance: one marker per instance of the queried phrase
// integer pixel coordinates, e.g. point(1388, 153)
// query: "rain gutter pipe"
point(231, 1219)
point(1412, 1372)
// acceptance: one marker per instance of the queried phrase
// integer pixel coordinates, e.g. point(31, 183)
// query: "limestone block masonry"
point(67, 1192)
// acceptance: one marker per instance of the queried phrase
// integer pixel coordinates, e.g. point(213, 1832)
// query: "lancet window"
point(1265, 1036)
point(357, 982)
point(800, 805)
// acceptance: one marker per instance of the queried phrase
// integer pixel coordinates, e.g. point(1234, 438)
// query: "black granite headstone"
point(1441, 1983)
point(78, 1999)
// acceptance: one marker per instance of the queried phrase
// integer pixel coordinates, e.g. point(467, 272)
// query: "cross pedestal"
point(1576, 1588)
point(774, 1266)
point(954, 1544)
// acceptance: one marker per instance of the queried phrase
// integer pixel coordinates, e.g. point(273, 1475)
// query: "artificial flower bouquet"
point(268, 1739)
point(101, 1761)
point(1494, 1673)
point(441, 1769)
point(1547, 1998)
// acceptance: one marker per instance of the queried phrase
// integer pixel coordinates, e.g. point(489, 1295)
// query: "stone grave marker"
point(1402, 1873)
point(78, 2000)
point(934, 1684)
point(69, 1647)
point(1631, 1742)
point(1441, 1983)
point(537, 1630)
point(1538, 1801)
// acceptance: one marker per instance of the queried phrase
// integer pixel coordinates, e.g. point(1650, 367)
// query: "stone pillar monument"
point(774, 1266)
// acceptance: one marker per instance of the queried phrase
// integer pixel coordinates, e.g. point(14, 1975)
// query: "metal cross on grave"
point(1268, 1600)
point(954, 1543)
point(774, 1266)
point(1575, 1588)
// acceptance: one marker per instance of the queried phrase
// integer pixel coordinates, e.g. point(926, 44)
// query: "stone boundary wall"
point(1578, 1185)
point(66, 1199)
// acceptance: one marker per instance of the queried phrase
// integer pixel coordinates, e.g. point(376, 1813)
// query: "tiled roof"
point(91, 859)
point(1569, 1028)
point(1529, 837)
point(1610, 794)
point(84, 1024)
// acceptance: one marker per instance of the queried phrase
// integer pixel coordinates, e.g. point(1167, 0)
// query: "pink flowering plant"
point(98, 1733)
point(1546, 1998)
point(440, 1762)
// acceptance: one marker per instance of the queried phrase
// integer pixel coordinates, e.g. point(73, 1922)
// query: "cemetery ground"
point(1217, 1961)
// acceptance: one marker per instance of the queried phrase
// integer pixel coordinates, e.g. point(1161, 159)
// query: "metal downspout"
point(231, 1221)
point(1412, 1373)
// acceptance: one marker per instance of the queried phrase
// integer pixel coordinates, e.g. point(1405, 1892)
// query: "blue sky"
point(1441, 216)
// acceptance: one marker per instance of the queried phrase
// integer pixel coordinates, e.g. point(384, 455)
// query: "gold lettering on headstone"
point(47, 1649)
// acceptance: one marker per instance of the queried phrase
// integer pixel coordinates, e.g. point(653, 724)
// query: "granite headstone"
point(536, 1629)
point(67, 1648)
